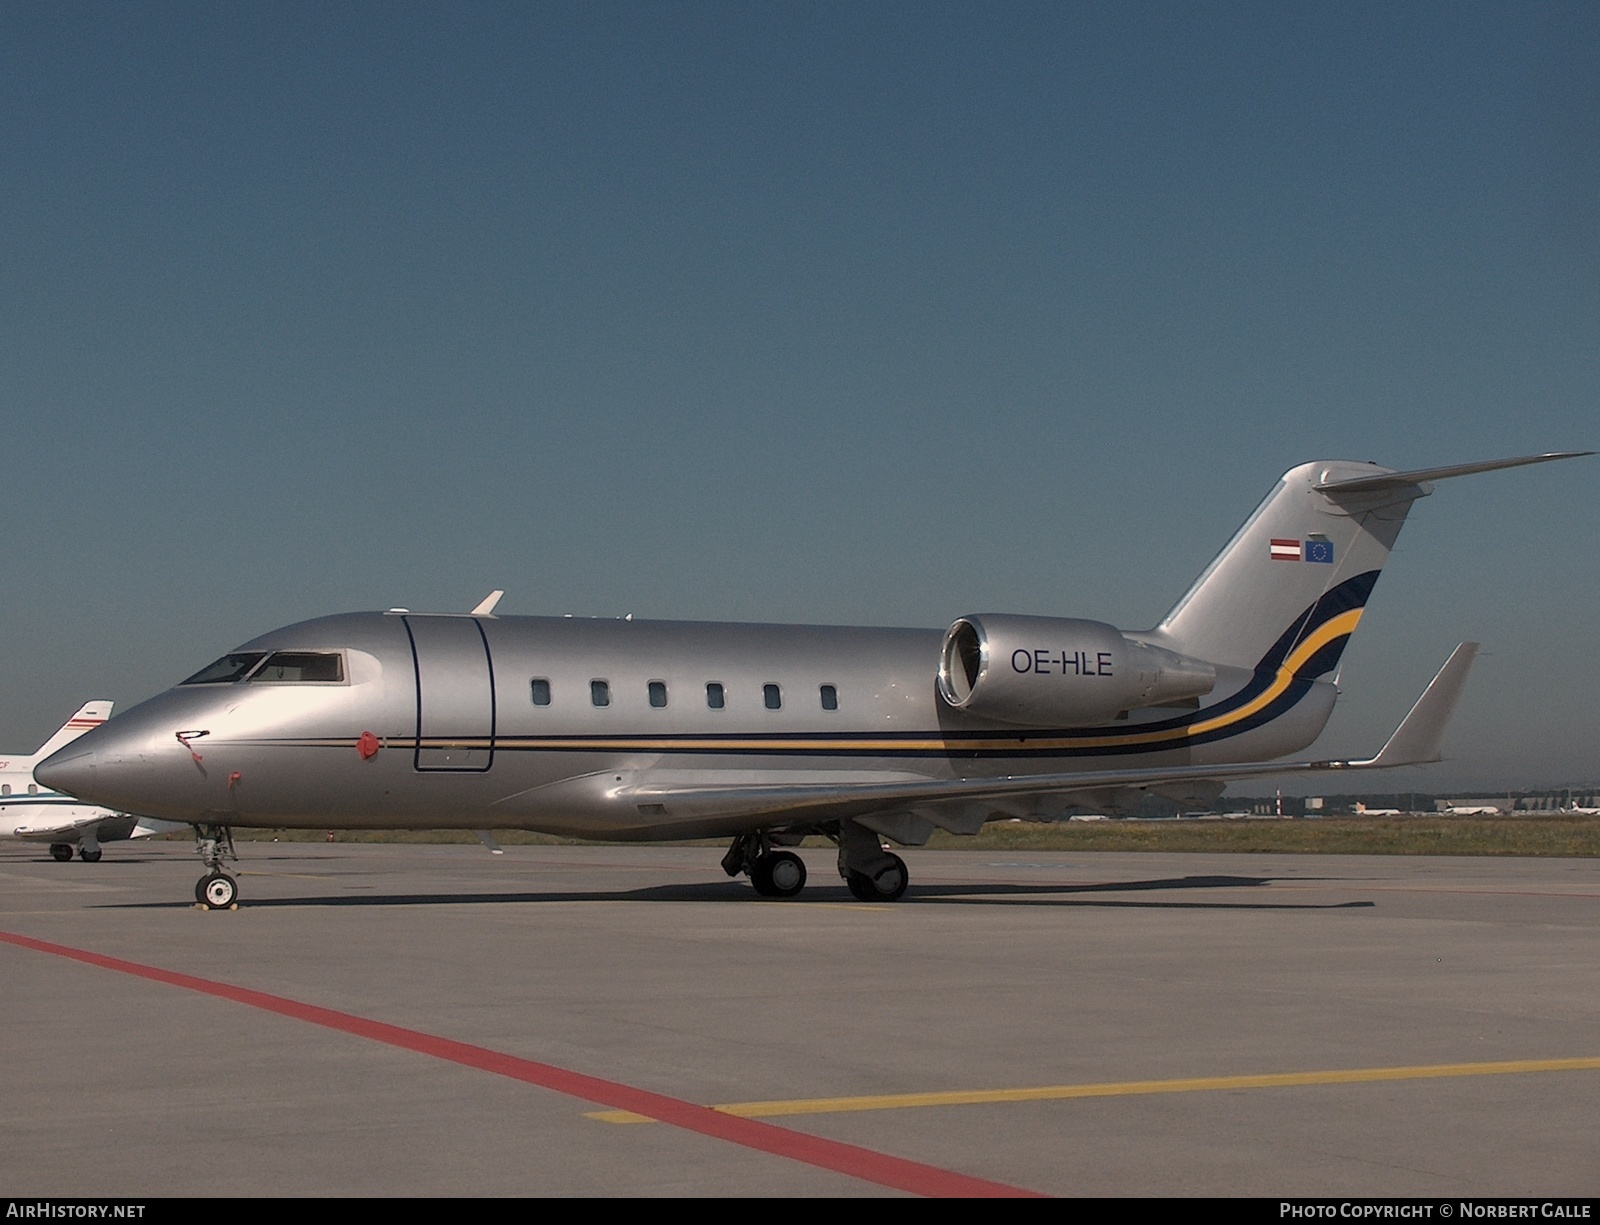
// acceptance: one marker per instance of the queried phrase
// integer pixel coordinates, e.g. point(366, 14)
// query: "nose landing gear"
point(219, 891)
point(216, 890)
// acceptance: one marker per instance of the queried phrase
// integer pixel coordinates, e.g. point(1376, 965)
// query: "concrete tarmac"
point(1433, 1024)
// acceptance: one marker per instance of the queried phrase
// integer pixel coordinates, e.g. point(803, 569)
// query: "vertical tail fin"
point(1301, 568)
point(1296, 576)
point(90, 714)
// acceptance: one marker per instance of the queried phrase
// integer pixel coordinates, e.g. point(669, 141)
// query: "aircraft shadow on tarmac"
point(735, 892)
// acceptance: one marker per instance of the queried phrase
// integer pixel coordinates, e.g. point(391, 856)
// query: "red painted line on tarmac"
point(861, 1163)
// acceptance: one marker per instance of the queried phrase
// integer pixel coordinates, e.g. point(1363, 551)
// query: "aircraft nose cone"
point(70, 769)
point(103, 766)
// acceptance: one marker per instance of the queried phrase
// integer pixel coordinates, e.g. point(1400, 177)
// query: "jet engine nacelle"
point(1060, 672)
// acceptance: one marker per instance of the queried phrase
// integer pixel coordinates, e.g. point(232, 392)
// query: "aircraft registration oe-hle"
point(637, 730)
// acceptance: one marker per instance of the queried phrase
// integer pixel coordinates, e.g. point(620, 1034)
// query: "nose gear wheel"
point(219, 891)
point(216, 890)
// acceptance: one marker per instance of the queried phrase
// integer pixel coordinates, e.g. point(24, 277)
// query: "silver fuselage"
point(434, 725)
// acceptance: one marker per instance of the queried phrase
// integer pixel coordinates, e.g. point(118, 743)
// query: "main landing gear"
point(772, 873)
point(889, 885)
point(216, 890)
point(89, 852)
point(871, 873)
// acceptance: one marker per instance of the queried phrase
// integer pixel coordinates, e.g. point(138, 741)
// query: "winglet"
point(486, 605)
point(1420, 736)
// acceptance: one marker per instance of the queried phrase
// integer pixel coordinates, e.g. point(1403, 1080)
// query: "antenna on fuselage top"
point(486, 605)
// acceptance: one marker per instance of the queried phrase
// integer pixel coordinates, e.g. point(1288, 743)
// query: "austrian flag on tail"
point(1317, 549)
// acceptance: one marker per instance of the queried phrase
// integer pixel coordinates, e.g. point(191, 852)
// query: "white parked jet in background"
point(38, 814)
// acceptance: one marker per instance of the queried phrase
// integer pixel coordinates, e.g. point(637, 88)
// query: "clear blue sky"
point(870, 313)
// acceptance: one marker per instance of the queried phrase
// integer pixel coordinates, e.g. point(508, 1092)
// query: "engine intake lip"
point(963, 661)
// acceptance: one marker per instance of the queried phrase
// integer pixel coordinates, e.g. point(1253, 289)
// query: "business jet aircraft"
point(624, 729)
point(38, 814)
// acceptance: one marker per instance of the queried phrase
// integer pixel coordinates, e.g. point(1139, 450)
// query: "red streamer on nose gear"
point(233, 778)
point(367, 745)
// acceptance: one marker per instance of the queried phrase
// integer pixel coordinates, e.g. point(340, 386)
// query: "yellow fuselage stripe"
point(1344, 623)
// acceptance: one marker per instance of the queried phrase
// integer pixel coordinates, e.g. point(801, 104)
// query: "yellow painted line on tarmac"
point(289, 875)
point(1123, 1088)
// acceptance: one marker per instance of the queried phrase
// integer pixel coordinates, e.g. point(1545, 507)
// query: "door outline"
point(418, 761)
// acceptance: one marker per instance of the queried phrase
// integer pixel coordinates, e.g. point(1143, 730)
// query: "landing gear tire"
point(216, 890)
point(778, 874)
point(889, 885)
point(219, 891)
point(60, 852)
point(88, 856)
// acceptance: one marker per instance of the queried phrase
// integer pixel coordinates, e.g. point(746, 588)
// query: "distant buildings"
point(1553, 801)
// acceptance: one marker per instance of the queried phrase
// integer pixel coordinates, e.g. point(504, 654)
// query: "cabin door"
point(455, 693)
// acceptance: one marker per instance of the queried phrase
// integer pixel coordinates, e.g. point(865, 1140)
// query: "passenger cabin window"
point(658, 694)
point(714, 698)
point(228, 668)
point(772, 696)
point(301, 667)
point(33, 788)
point(5, 788)
point(541, 691)
point(600, 693)
point(830, 698)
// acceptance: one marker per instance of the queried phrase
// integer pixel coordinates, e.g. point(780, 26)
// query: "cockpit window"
point(228, 668)
point(301, 666)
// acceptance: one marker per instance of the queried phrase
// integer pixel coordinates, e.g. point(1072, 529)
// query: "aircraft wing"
point(149, 827)
point(47, 831)
point(945, 801)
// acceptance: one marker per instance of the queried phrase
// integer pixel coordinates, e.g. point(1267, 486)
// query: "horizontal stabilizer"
point(1400, 480)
